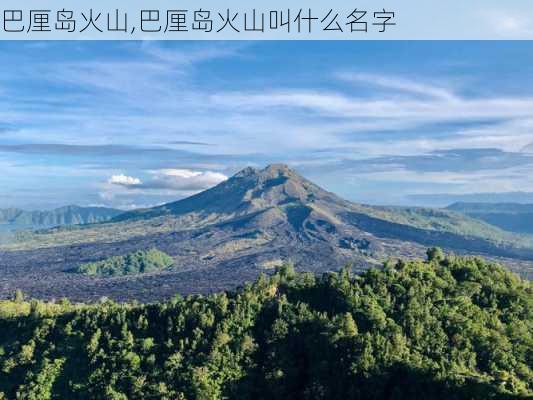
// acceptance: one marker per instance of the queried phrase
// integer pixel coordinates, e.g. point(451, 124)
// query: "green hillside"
point(139, 262)
point(448, 328)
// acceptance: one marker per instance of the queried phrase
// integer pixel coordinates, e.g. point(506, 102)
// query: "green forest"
point(445, 328)
point(138, 262)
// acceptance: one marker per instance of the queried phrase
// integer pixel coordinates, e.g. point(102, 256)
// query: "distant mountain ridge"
point(512, 217)
point(446, 199)
point(504, 208)
point(68, 215)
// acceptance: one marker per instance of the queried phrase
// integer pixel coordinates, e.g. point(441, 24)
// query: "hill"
point(139, 262)
point(512, 217)
point(449, 328)
point(249, 223)
point(69, 215)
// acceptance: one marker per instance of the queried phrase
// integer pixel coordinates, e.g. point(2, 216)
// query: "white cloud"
point(400, 84)
point(184, 179)
point(178, 173)
point(191, 55)
point(487, 181)
point(124, 180)
point(415, 111)
point(511, 136)
point(335, 118)
point(508, 24)
point(165, 182)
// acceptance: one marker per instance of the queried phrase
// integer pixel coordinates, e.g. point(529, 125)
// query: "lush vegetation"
point(138, 262)
point(448, 328)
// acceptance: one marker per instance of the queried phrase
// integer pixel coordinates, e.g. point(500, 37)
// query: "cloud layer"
point(137, 119)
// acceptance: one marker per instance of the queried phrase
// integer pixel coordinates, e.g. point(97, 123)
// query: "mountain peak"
point(248, 171)
point(270, 171)
point(277, 168)
point(249, 190)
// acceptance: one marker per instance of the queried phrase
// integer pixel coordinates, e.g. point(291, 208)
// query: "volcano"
point(251, 223)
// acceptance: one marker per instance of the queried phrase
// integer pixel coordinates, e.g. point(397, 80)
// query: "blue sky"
point(130, 124)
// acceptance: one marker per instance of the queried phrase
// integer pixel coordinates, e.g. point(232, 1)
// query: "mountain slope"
point(512, 217)
point(252, 222)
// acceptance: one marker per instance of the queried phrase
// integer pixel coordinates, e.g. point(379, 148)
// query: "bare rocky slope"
point(248, 224)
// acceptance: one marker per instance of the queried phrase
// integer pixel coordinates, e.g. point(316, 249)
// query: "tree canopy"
point(445, 328)
point(138, 262)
